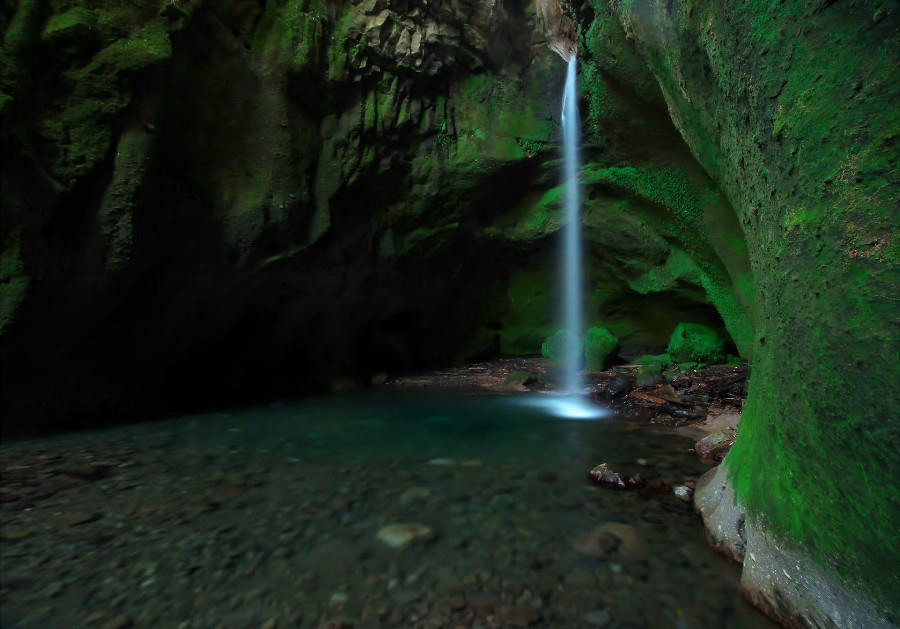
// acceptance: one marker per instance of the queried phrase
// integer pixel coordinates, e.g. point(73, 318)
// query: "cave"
point(282, 306)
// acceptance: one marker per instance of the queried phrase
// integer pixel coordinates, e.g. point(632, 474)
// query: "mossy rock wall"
point(790, 109)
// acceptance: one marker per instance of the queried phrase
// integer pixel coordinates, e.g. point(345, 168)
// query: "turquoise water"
point(271, 515)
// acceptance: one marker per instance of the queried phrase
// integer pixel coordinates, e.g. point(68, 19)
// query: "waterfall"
point(574, 404)
point(571, 267)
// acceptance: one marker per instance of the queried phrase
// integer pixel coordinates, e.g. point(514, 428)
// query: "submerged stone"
point(400, 536)
point(597, 618)
point(594, 543)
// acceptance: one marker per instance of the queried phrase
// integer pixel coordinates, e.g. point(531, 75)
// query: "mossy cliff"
point(201, 197)
point(790, 108)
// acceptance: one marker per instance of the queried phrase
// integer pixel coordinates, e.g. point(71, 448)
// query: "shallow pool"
point(270, 517)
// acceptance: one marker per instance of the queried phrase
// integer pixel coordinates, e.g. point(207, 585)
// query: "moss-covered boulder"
point(696, 343)
point(554, 347)
point(599, 346)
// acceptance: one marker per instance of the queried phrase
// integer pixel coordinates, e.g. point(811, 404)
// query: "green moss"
point(423, 241)
point(23, 27)
point(527, 311)
point(75, 23)
point(790, 108)
point(13, 282)
point(695, 218)
point(115, 213)
point(554, 346)
point(663, 360)
point(344, 40)
point(293, 35)
point(146, 46)
point(679, 267)
point(540, 218)
point(599, 346)
point(693, 342)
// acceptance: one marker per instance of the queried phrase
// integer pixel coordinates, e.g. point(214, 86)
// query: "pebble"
point(715, 446)
point(631, 545)
point(442, 462)
point(597, 618)
point(404, 597)
point(594, 543)
point(119, 622)
point(415, 493)
point(77, 518)
point(456, 602)
point(400, 536)
point(482, 606)
point(53, 589)
point(94, 617)
point(520, 615)
point(683, 493)
point(15, 536)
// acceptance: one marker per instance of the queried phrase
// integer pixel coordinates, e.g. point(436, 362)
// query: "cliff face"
point(247, 197)
point(253, 197)
point(790, 109)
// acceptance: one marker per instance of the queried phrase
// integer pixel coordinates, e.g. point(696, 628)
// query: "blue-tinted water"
point(573, 319)
point(269, 516)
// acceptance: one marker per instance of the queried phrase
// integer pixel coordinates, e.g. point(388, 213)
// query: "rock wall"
point(206, 199)
point(790, 109)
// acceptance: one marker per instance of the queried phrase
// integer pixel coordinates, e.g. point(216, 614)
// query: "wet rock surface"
point(604, 476)
point(270, 517)
point(781, 580)
point(713, 395)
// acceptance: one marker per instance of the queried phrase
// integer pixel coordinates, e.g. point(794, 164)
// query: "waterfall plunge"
point(571, 267)
point(573, 404)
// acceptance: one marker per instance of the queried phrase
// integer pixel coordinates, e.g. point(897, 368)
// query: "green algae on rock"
point(795, 125)
point(695, 343)
point(599, 345)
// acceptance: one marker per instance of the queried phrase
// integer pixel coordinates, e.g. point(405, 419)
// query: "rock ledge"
point(783, 582)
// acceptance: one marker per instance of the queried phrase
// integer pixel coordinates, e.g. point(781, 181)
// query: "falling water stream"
point(572, 316)
point(572, 404)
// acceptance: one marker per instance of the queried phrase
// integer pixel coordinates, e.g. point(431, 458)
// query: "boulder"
point(696, 343)
point(781, 579)
point(599, 345)
point(715, 446)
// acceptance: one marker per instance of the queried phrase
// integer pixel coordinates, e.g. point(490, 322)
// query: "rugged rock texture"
point(790, 109)
point(207, 198)
point(560, 30)
point(779, 578)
